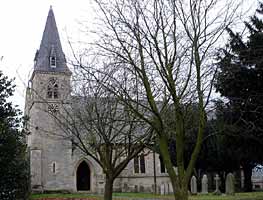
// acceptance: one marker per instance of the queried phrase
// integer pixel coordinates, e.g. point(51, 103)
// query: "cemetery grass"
point(127, 196)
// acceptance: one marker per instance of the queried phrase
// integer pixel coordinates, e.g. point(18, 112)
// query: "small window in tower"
point(54, 167)
point(55, 91)
point(53, 61)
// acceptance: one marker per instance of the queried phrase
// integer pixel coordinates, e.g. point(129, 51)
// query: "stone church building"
point(54, 166)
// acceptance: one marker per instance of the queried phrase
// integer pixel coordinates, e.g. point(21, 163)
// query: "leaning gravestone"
point(193, 185)
point(204, 184)
point(217, 180)
point(230, 184)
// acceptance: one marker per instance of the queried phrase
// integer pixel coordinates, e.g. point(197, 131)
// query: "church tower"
point(47, 93)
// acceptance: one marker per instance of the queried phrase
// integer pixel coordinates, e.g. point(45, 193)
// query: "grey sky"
point(22, 24)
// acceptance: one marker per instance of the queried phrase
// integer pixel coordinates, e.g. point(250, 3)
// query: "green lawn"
point(124, 196)
point(77, 195)
point(238, 196)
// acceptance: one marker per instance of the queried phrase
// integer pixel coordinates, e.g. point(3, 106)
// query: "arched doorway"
point(83, 176)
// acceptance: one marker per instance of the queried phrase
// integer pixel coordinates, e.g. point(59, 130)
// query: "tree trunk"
point(247, 175)
point(108, 189)
point(181, 194)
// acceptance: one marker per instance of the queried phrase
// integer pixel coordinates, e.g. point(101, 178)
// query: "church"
point(54, 166)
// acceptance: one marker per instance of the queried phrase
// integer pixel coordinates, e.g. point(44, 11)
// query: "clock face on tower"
point(53, 108)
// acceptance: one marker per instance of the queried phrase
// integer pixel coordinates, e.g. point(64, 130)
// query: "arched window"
point(136, 165)
point(162, 166)
point(52, 89)
point(142, 163)
point(139, 164)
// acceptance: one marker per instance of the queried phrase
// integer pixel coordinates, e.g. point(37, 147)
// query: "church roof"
point(50, 46)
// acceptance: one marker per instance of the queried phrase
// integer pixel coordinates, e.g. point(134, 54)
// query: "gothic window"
point(142, 163)
point(136, 165)
point(52, 89)
point(49, 92)
point(139, 164)
point(53, 109)
point(162, 167)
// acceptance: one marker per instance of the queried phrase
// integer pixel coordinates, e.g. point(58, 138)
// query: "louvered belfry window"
point(53, 62)
point(52, 58)
point(52, 89)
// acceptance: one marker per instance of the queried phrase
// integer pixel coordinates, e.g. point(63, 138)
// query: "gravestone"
point(168, 188)
point(162, 189)
point(136, 188)
point(204, 184)
point(125, 187)
point(141, 189)
point(158, 189)
point(230, 184)
point(153, 188)
point(217, 180)
point(193, 185)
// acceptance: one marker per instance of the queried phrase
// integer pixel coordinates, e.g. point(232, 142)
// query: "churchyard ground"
point(143, 196)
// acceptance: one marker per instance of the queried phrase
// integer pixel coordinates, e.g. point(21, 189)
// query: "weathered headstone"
point(153, 189)
point(193, 185)
point(141, 189)
point(230, 184)
point(204, 184)
point(136, 188)
point(217, 180)
point(169, 188)
point(158, 189)
point(125, 187)
point(162, 189)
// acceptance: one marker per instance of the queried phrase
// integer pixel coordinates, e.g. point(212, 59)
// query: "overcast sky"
point(22, 24)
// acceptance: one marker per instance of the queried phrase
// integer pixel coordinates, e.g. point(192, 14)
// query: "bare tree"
point(101, 127)
point(158, 54)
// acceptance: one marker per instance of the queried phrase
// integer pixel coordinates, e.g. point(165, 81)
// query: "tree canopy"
point(13, 164)
point(240, 80)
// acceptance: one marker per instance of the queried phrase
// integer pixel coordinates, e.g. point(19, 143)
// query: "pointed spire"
point(50, 48)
